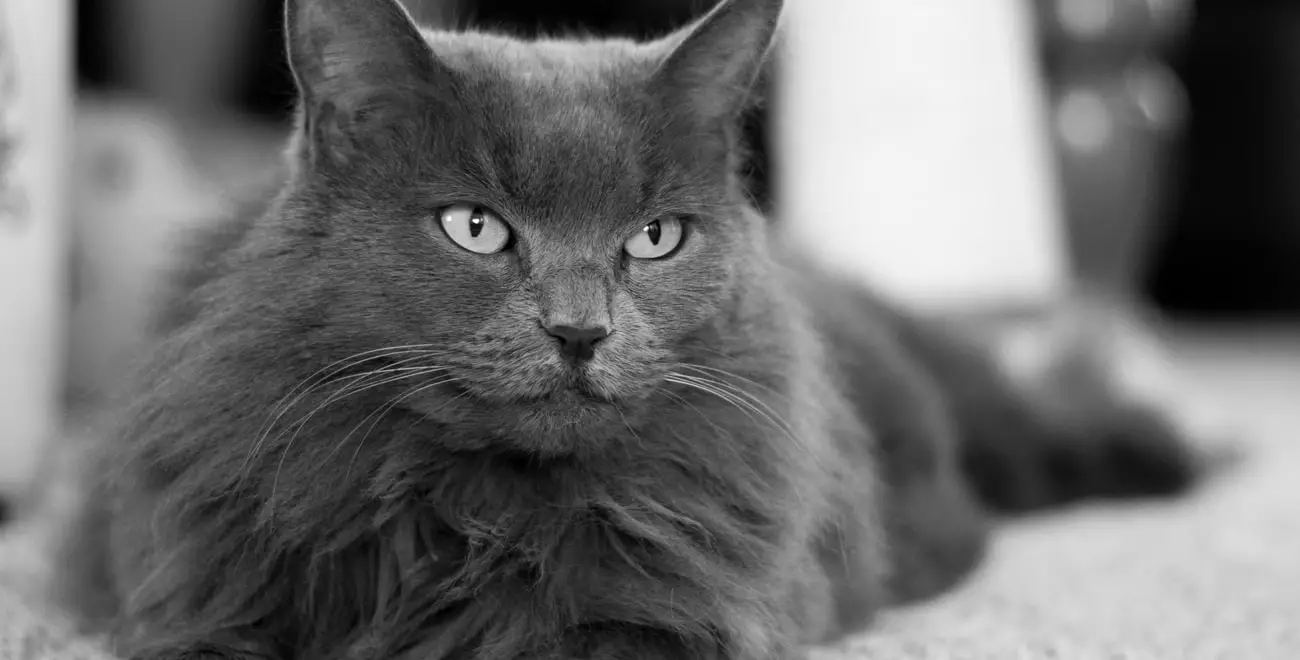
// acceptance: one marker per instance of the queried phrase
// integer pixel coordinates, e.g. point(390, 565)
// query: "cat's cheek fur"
point(508, 355)
point(678, 301)
point(680, 293)
point(380, 271)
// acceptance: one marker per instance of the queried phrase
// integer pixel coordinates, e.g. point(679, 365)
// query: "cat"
point(509, 367)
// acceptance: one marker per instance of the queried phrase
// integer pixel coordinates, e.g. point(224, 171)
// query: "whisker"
point(418, 422)
point(302, 422)
point(386, 408)
point(373, 353)
point(708, 388)
point(639, 440)
point(683, 401)
point(356, 386)
point(349, 381)
point(379, 413)
point(728, 393)
point(741, 400)
point(732, 374)
point(320, 377)
point(770, 412)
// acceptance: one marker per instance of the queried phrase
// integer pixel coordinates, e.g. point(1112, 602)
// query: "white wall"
point(914, 152)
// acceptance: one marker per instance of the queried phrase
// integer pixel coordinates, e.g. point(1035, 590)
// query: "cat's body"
point(749, 456)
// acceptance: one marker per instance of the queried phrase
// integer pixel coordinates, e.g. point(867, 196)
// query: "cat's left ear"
point(712, 65)
point(351, 60)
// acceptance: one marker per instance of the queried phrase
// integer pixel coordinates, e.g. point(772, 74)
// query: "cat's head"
point(551, 219)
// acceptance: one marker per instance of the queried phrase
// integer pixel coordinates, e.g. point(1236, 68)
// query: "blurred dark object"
point(227, 58)
point(1117, 113)
point(1233, 248)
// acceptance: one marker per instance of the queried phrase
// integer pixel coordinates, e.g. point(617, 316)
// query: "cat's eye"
point(656, 240)
point(475, 228)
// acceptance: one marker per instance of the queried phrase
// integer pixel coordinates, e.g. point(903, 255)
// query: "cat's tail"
point(1026, 448)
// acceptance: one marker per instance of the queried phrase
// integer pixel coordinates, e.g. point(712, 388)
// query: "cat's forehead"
point(548, 62)
point(551, 100)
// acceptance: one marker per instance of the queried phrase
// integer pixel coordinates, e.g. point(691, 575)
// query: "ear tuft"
point(337, 45)
point(713, 64)
point(353, 60)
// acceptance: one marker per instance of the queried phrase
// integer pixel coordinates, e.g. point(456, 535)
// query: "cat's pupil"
point(654, 231)
point(476, 223)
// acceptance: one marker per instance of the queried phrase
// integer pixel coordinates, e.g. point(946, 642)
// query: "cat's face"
point(550, 220)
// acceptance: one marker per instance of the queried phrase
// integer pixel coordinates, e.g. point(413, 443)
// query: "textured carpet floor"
point(1213, 576)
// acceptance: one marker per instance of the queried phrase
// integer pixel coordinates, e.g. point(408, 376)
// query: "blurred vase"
point(1114, 132)
point(1110, 29)
point(1117, 114)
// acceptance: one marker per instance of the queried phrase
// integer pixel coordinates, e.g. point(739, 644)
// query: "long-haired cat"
point(510, 369)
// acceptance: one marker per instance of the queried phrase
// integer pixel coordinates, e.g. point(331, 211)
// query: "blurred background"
point(1145, 147)
point(1174, 120)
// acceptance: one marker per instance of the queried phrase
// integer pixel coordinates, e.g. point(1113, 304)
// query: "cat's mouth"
point(573, 412)
point(577, 393)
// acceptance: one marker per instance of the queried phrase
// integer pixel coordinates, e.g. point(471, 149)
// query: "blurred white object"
point(135, 188)
point(35, 98)
point(915, 152)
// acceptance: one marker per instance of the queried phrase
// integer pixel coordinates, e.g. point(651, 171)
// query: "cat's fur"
point(783, 454)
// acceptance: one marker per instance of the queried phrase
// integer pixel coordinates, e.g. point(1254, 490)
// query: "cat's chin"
point(565, 421)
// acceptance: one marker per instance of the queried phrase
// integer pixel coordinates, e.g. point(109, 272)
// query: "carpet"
point(1215, 575)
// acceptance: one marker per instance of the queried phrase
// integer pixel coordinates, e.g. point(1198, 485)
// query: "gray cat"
point(510, 369)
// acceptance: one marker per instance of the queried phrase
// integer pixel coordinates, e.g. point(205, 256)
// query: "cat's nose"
point(577, 344)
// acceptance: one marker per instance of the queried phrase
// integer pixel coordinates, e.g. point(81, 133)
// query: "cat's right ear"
point(354, 62)
point(712, 65)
